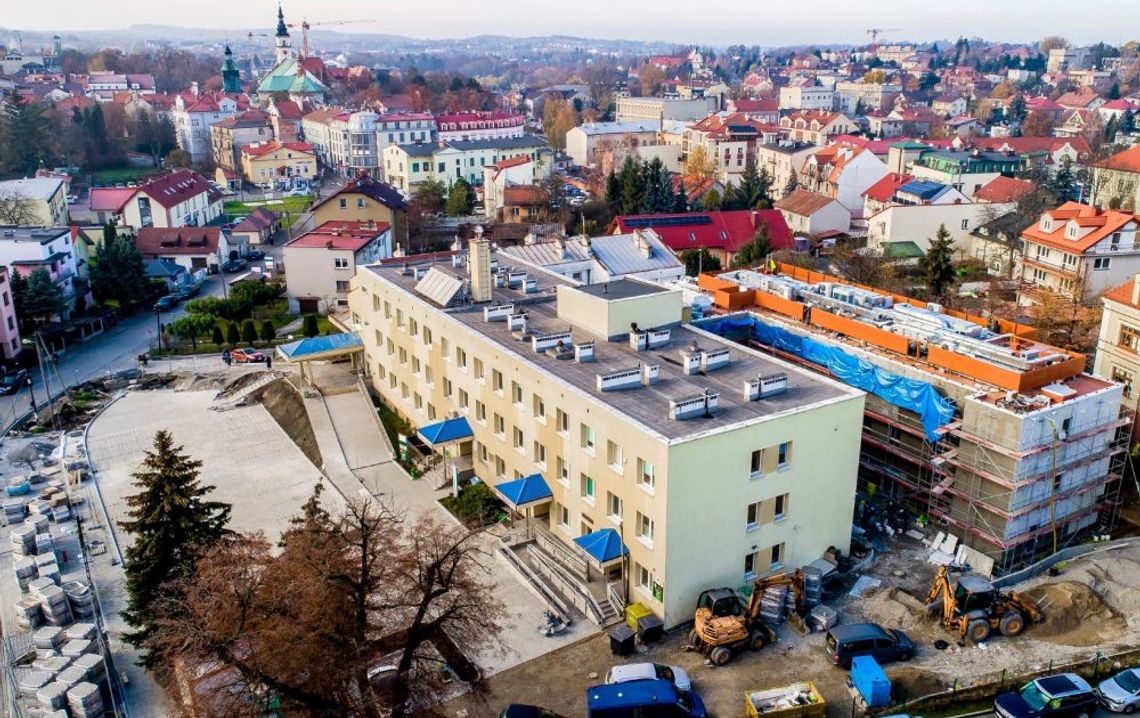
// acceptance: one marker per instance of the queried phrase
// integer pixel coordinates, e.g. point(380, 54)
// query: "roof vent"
point(716, 359)
point(516, 323)
point(641, 375)
point(418, 273)
point(584, 352)
point(691, 359)
point(515, 279)
point(561, 350)
point(530, 285)
point(648, 339)
point(704, 404)
point(405, 270)
point(498, 313)
point(542, 342)
point(765, 386)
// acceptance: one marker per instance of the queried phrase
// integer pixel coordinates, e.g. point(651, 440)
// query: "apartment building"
point(479, 125)
point(276, 164)
point(193, 115)
point(871, 96)
point(406, 166)
point(782, 159)
point(714, 467)
point(998, 439)
point(662, 109)
point(23, 250)
point(584, 141)
point(807, 97)
point(1077, 251)
point(816, 127)
point(729, 141)
point(229, 136)
point(842, 172)
point(320, 263)
point(1118, 343)
point(9, 328)
point(44, 201)
point(966, 170)
point(182, 198)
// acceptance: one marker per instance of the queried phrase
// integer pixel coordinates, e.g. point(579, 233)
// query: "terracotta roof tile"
point(1004, 189)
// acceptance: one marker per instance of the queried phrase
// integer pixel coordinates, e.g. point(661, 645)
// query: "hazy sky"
point(715, 22)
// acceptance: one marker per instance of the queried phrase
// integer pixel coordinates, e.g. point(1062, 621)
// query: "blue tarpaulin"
point(918, 396)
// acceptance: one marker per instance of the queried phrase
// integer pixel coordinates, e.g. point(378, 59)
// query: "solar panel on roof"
point(439, 286)
point(684, 221)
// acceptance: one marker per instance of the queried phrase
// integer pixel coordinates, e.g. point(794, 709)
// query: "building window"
point(340, 262)
point(586, 488)
point(418, 401)
point(497, 381)
point(777, 556)
point(415, 364)
point(784, 455)
point(561, 421)
point(781, 506)
point(538, 406)
point(342, 287)
point(615, 457)
point(587, 438)
point(1125, 377)
point(500, 467)
point(480, 412)
point(431, 412)
point(613, 506)
point(427, 336)
point(444, 348)
point(518, 438)
point(516, 394)
point(1101, 263)
point(563, 472)
point(461, 358)
point(756, 465)
point(479, 369)
point(645, 475)
point(749, 565)
point(965, 224)
point(644, 527)
point(463, 399)
point(403, 356)
point(753, 516)
point(1129, 338)
point(563, 516)
point(500, 427)
point(539, 453)
point(642, 577)
point(343, 203)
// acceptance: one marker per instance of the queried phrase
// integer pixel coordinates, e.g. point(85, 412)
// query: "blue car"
point(629, 700)
point(1062, 696)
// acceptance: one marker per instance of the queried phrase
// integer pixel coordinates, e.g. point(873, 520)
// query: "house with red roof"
point(278, 163)
point(729, 140)
point(192, 248)
point(108, 203)
point(1077, 251)
point(816, 126)
point(842, 172)
point(1054, 150)
point(320, 263)
point(1116, 180)
point(509, 190)
point(722, 233)
point(1004, 189)
point(193, 114)
point(880, 194)
point(1044, 105)
point(258, 228)
point(181, 198)
point(1081, 100)
point(479, 125)
point(364, 198)
point(764, 110)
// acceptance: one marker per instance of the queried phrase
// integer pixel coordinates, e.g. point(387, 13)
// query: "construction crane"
point(305, 25)
point(876, 31)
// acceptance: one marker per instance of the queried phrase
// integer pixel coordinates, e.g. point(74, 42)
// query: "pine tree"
point(233, 334)
point(680, 199)
point(309, 326)
point(248, 332)
point(42, 298)
point(1061, 183)
point(938, 264)
point(268, 332)
point(633, 189)
point(753, 253)
point(753, 190)
point(791, 185)
point(170, 521)
point(216, 335)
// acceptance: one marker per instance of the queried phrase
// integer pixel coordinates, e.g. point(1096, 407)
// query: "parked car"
point(248, 355)
point(1121, 693)
point(630, 700)
point(255, 255)
point(650, 671)
point(234, 265)
point(522, 710)
point(166, 303)
point(867, 639)
point(1062, 696)
point(13, 381)
point(297, 193)
point(187, 291)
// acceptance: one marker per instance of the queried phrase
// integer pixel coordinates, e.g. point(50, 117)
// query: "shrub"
point(476, 504)
point(268, 331)
point(310, 327)
point(216, 335)
point(248, 332)
point(233, 335)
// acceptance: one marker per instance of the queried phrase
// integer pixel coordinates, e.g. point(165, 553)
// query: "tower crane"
point(876, 31)
point(305, 25)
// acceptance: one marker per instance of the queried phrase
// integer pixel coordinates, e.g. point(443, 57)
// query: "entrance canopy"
point(603, 546)
point(525, 491)
point(446, 431)
point(329, 346)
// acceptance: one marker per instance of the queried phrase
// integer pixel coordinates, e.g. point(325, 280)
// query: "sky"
point(707, 22)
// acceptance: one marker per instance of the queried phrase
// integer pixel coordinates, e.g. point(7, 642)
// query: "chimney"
point(194, 88)
point(479, 266)
point(1136, 289)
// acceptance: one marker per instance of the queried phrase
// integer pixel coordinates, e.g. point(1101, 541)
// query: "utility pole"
point(42, 357)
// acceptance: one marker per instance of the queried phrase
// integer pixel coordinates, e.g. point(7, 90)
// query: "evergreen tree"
point(25, 135)
point(268, 332)
point(117, 269)
point(791, 185)
point(753, 190)
point(42, 298)
point(309, 326)
point(699, 260)
point(1061, 183)
point(613, 188)
point(658, 187)
point(938, 264)
point(712, 200)
point(754, 253)
point(19, 295)
point(1114, 91)
point(460, 199)
point(170, 521)
point(216, 335)
point(248, 332)
point(233, 334)
point(1128, 121)
point(633, 190)
point(680, 199)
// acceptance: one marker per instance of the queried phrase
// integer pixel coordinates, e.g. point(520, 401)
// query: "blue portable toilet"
point(868, 678)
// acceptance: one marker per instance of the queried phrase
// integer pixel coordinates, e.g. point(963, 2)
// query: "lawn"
point(114, 175)
point(293, 206)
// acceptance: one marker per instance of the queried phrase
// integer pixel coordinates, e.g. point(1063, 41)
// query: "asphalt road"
point(109, 352)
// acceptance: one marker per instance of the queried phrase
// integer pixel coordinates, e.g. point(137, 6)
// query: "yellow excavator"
point(974, 608)
point(724, 624)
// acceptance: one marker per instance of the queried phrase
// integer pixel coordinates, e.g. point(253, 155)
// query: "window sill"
point(647, 542)
point(565, 529)
point(756, 475)
point(616, 468)
point(749, 528)
point(776, 566)
point(783, 467)
point(647, 488)
point(750, 576)
point(588, 500)
point(780, 519)
point(615, 520)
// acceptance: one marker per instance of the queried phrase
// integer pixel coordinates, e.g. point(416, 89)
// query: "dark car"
point(867, 639)
point(1062, 696)
point(521, 710)
point(234, 265)
point(165, 304)
point(255, 255)
point(13, 381)
point(187, 291)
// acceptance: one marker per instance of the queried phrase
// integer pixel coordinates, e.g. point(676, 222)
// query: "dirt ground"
point(1093, 604)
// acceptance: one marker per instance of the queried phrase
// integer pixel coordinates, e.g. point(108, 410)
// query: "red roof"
point(175, 188)
point(1126, 161)
point(524, 195)
point(768, 105)
point(260, 220)
point(155, 242)
point(725, 230)
point(1043, 104)
point(1122, 293)
point(265, 148)
point(507, 118)
point(884, 189)
point(288, 110)
point(1004, 189)
point(1023, 145)
point(351, 236)
point(110, 199)
point(512, 162)
point(1098, 223)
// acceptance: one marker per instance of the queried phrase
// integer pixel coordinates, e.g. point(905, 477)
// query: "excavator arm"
point(941, 593)
point(795, 580)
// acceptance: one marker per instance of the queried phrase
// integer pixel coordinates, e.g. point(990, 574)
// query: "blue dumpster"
point(868, 678)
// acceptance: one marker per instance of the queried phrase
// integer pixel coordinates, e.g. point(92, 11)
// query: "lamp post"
point(157, 329)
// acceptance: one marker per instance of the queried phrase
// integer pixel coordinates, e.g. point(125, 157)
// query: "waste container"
point(634, 612)
point(868, 678)
point(650, 629)
point(622, 640)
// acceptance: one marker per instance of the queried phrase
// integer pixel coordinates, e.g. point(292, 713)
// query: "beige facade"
point(1118, 344)
point(699, 503)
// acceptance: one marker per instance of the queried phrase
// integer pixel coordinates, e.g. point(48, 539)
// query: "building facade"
point(182, 198)
point(1118, 343)
point(273, 162)
point(35, 201)
point(320, 263)
point(406, 166)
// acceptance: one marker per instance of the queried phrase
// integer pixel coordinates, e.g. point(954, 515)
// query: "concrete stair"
point(238, 398)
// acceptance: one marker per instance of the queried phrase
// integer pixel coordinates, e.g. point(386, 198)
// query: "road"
point(109, 352)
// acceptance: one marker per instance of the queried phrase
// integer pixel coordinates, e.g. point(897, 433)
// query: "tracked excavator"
point(725, 624)
point(974, 608)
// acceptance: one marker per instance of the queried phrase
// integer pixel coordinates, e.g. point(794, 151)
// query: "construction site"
point(971, 426)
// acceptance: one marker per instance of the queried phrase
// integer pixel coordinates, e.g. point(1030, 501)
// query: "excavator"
point(724, 625)
point(974, 608)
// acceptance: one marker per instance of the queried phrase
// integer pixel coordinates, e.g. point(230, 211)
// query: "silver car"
point(1121, 693)
point(649, 671)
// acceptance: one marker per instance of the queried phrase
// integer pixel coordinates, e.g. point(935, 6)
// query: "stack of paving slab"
point(85, 701)
point(773, 605)
point(81, 598)
point(822, 618)
point(15, 509)
point(52, 696)
point(94, 669)
point(53, 603)
point(22, 538)
point(813, 586)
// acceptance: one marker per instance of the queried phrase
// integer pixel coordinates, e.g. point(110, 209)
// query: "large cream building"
point(714, 463)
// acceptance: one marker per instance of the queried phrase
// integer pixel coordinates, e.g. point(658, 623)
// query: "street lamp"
point(158, 328)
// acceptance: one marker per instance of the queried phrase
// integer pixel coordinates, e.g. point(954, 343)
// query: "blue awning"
point(604, 546)
point(527, 490)
point(322, 347)
point(446, 431)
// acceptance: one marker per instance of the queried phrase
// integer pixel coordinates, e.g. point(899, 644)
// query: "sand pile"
point(239, 383)
point(1075, 614)
point(1114, 577)
point(201, 382)
point(892, 607)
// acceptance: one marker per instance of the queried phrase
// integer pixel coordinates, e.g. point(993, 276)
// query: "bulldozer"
point(974, 608)
point(724, 624)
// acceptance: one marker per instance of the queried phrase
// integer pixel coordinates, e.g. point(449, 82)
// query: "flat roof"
point(646, 405)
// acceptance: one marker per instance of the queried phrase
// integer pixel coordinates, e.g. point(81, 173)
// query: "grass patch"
point(294, 206)
point(394, 425)
point(325, 326)
point(112, 175)
point(476, 505)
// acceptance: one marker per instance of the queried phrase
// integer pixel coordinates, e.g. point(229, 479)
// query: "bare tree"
point(17, 209)
point(345, 594)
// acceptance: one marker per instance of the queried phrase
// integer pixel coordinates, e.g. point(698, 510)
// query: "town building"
point(507, 174)
point(1064, 59)
point(292, 74)
point(583, 141)
point(729, 142)
point(660, 109)
point(229, 136)
point(947, 106)
point(919, 209)
point(1116, 181)
point(1077, 251)
point(1118, 342)
point(108, 203)
point(765, 111)
point(406, 166)
point(811, 214)
point(23, 250)
point(816, 127)
point(277, 165)
point(479, 125)
point(807, 97)
point(365, 199)
point(181, 198)
point(843, 173)
point(683, 485)
point(966, 170)
point(34, 202)
point(9, 326)
point(999, 440)
point(722, 233)
point(194, 115)
point(320, 263)
point(782, 159)
point(258, 228)
point(852, 98)
point(640, 254)
point(192, 248)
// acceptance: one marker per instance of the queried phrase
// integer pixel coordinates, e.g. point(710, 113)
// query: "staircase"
point(238, 398)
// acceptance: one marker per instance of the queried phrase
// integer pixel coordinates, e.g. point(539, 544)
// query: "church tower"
point(283, 48)
point(231, 76)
